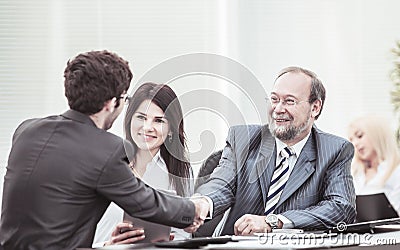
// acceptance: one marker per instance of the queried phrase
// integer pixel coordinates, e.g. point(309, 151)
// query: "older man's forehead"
point(293, 83)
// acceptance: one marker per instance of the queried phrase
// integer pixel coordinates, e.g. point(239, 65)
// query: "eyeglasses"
point(288, 102)
point(125, 97)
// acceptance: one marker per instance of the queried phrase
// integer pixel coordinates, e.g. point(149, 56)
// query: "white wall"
point(346, 42)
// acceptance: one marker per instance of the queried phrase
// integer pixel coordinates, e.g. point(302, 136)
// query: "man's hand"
point(202, 209)
point(125, 233)
point(249, 224)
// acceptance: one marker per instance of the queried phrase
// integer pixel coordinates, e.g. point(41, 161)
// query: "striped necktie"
point(278, 181)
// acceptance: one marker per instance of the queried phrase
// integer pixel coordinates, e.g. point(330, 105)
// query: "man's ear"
point(110, 104)
point(316, 108)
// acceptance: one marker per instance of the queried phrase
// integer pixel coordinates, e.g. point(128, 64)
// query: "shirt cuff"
point(210, 205)
point(286, 222)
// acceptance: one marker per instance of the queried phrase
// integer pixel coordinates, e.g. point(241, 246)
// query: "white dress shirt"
point(297, 148)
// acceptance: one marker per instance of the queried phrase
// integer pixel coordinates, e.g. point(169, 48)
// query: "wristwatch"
point(272, 220)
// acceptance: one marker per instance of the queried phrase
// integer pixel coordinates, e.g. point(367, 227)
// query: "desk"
point(385, 241)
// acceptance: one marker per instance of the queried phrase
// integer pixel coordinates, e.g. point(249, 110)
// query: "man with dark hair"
point(64, 170)
point(93, 78)
point(285, 174)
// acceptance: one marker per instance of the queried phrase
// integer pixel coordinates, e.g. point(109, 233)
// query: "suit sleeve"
point(118, 184)
point(338, 196)
point(221, 186)
point(21, 128)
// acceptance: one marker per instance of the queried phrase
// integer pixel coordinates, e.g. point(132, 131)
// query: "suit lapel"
point(265, 162)
point(303, 169)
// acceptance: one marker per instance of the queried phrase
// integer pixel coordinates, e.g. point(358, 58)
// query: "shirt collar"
point(157, 158)
point(296, 147)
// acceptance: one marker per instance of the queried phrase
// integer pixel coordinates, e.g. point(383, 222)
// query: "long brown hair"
point(174, 149)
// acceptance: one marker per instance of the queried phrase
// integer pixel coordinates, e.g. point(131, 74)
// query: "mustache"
point(282, 117)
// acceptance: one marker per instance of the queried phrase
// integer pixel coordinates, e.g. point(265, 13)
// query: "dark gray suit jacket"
point(319, 193)
point(62, 173)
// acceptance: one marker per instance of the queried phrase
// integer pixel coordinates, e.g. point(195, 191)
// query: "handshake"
point(202, 208)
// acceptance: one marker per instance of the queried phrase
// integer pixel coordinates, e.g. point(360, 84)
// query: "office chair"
point(205, 171)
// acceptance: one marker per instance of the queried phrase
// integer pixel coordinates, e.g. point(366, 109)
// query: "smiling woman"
point(154, 125)
point(149, 129)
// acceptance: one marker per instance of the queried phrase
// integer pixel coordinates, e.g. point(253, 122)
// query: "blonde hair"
point(382, 140)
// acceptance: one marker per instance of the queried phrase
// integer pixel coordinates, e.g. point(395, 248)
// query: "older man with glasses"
point(287, 174)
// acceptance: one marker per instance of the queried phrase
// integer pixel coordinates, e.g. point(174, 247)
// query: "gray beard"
point(288, 133)
point(285, 134)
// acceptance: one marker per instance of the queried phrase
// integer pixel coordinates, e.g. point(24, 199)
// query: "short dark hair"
point(317, 91)
point(92, 78)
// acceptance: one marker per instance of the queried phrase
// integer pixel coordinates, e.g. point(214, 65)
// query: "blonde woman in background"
point(375, 167)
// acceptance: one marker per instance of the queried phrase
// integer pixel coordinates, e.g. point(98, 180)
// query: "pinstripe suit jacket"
point(319, 193)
